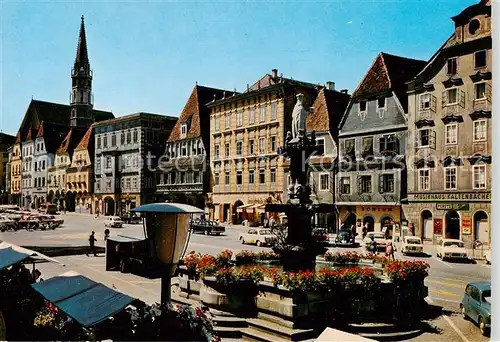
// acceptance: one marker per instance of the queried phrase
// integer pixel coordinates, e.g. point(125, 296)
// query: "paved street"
point(446, 280)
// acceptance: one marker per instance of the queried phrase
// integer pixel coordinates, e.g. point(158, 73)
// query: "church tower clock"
point(81, 92)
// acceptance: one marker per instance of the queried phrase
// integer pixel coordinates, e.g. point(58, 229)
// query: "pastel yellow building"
point(15, 169)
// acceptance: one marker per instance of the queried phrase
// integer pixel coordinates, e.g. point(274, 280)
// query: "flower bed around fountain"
point(345, 290)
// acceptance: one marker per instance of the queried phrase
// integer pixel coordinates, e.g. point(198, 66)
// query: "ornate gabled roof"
point(389, 73)
point(71, 140)
point(82, 57)
point(30, 134)
point(329, 108)
point(52, 135)
point(268, 80)
point(482, 7)
point(18, 137)
point(195, 113)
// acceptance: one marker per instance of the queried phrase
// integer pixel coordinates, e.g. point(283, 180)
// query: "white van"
point(113, 222)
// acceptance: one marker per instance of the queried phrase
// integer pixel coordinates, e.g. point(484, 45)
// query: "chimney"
point(330, 85)
point(275, 73)
point(344, 91)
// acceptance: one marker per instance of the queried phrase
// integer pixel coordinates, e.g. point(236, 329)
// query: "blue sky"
point(148, 56)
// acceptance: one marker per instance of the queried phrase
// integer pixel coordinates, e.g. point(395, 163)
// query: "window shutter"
point(381, 183)
point(433, 103)
point(396, 145)
point(339, 188)
point(432, 139)
point(462, 99)
point(488, 92)
point(444, 100)
point(360, 185)
point(416, 139)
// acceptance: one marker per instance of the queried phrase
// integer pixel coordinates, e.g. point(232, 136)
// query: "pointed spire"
point(82, 58)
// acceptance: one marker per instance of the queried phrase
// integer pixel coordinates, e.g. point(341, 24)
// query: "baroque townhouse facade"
point(183, 174)
point(371, 176)
point(27, 173)
point(246, 130)
point(126, 155)
point(15, 172)
point(450, 129)
point(328, 109)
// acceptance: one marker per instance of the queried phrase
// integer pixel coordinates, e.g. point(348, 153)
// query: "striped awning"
point(242, 208)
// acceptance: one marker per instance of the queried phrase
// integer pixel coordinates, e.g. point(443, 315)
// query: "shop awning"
point(81, 298)
point(243, 208)
point(12, 254)
point(261, 208)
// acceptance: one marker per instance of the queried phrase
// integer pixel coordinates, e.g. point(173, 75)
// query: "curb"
point(64, 250)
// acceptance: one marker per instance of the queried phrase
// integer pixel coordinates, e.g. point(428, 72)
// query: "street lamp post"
point(166, 227)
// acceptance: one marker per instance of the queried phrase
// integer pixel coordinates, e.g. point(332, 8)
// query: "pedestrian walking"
point(106, 234)
point(97, 212)
point(373, 245)
point(389, 251)
point(92, 241)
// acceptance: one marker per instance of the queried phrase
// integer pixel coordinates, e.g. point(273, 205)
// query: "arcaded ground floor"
point(116, 204)
point(468, 221)
point(374, 217)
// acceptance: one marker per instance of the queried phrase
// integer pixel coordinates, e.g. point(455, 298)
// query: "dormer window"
point(183, 130)
point(362, 106)
point(381, 103)
point(474, 26)
point(451, 66)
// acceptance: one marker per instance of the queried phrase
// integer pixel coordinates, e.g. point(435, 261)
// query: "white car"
point(378, 237)
point(113, 222)
point(451, 249)
point(258, 236)
point(412, 245)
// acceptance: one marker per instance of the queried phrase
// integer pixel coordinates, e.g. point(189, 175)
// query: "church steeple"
point(81, 92)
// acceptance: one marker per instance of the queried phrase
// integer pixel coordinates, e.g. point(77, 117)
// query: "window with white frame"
point(227, 150)
point(216, 178)
point(262, 176)
point(273, 111)
point(324, 182)
point(362, 106)
point(479, 176)
point(320, 145)
point(479, 130)
point(217, 151)
point(273, 144)
point(452, 95)
point(251, 176)
point(251, 147)
point(450, 178)
point(239, 118)
point(239, 177)
point(251, 116)
point(228, 121)
point(345, 185)
point(183, 130)
point(262, 113)
point(262, 145)
point(239, 148)
point(217, 123)
point(108, 162)
point(227, 178)
point(424, 177)
point(451, 134)
point(451, 66)
point(273, 175)
point(480, 91)
point(425, 101)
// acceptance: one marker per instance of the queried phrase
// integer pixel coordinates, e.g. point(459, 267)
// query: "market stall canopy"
point(11, 254)
point(81, 298)
point(167, 208)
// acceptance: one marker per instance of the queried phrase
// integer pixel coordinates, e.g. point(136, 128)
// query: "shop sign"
point(438, 226)
point(453, 206)
point(452, 196)
point(466, 225)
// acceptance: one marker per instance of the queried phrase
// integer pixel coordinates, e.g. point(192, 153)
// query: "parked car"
point(412, 245)
point(113, 222)
point(49, 208)
point(451, 249)
point(320, 236)
point(344, 238)
point(132, 218)
point(207, 227)
point(379, 239)
point(476, 304)
point(260, 237)
point(7, 224)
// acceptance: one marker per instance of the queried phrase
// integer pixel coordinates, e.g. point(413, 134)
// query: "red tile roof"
point(268, 80)
point(52, 135)
point(329, 108)
point(31, 133)
point(195, 113)
point(71, 140)
point(389, 72)
point(84, 143)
